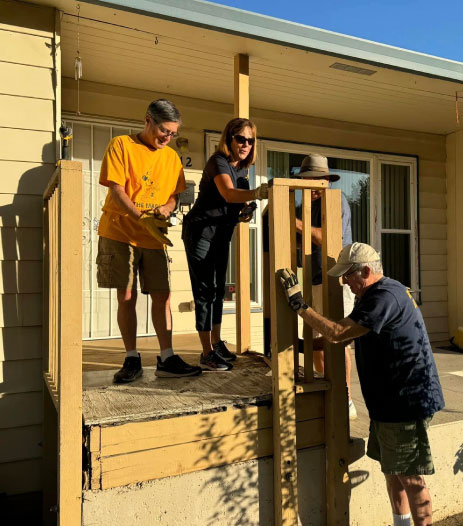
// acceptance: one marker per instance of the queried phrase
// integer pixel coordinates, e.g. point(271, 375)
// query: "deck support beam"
point(242, 275)
point(284, 404)
point(336, 409)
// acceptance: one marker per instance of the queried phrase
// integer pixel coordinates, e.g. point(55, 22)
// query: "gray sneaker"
point(213, 362)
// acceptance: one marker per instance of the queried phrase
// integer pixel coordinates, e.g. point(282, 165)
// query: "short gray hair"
point(162, 110)
point(375, 266)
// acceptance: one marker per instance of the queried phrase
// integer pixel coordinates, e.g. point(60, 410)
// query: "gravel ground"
point(455, 520)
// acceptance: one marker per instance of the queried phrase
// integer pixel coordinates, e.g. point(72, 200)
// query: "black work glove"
point(292, 289)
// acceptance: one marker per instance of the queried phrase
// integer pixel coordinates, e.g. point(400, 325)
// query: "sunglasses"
point(241, 139)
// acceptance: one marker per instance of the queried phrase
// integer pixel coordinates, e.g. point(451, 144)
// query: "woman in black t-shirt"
point(208, 228)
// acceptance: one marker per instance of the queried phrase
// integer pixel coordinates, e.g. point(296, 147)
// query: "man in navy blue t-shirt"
point(397, 374)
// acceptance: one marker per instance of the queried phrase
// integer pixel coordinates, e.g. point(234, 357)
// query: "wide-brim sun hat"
point(315, 166)
point(353, 254)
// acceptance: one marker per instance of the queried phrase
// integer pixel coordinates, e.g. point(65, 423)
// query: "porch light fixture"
point(353, 69)
point(182, 144)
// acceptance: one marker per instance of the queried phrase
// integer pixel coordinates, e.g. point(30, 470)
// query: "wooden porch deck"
point(150, 397)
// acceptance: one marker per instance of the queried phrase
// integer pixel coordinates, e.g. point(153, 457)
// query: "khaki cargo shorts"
point(401, 448)
point(119, 263)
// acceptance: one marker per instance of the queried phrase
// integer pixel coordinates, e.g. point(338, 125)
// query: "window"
point(381, 192)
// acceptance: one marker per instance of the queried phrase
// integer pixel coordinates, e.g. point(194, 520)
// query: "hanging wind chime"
point(78, 61)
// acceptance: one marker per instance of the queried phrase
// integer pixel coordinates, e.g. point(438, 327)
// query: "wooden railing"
point(281, 341)
point(62, 334)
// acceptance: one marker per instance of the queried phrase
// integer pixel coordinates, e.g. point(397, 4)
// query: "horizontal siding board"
point(21, 409)
point(20, 310)
point(21, 376)
point(26, 81)
point(434, 263)
point(21, 210)
point(20, 343)
point(432, 200)
point(28, 50)
point(27, 18)
point(434, 247)
point(20, 443)
point(433, 216)
point(432, 278)
point(430, 168)
point(432, 231)
point(24, 178)
point(436, 325)
point(21, 277)
point(434, 309)
point(23, 476)
point(434, 293)
point(26, 113)
point(439, 337)
point(436, 185)
point(27, 145)
point(21, 244)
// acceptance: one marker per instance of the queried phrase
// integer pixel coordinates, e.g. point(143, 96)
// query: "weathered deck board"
point(152, 398)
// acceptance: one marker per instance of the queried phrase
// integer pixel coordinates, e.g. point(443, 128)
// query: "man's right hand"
point(292, 289)
point(154, 225)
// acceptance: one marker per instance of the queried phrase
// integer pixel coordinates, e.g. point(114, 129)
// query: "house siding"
point(27, 160)
point(115, 102)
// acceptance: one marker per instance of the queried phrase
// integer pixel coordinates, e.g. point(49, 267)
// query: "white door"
point(99, 305)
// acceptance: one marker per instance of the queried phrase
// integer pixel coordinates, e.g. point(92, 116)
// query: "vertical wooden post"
point(307, 284)
point(70, 345)
point(284, 410)
point(242, 275)
point(293, 249)
point(336, 411)
point(266, 281)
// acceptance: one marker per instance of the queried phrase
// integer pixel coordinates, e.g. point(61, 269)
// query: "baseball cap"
point(352, 254)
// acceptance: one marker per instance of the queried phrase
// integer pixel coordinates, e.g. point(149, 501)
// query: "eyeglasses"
point(349, 274)
point(241, 139)
point(167, 133)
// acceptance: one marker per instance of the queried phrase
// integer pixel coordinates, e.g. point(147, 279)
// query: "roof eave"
point(252, 25)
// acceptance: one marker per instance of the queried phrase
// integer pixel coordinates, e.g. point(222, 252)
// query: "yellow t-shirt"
point(149, 177)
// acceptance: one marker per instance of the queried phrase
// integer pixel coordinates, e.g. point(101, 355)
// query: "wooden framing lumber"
point(284, 418)
point(63, 339)
point(307, 279)
point(336, 411)
point(299, 184)
point(293, 248)
point(139, 451)
point(242, 268)
point(70, 347)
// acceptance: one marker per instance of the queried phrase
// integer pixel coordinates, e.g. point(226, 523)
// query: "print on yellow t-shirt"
point(149, 177)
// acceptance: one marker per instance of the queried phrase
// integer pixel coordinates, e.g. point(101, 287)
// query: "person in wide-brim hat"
point(316, 166)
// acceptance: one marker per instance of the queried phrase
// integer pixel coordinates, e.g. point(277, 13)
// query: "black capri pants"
point(207, 264)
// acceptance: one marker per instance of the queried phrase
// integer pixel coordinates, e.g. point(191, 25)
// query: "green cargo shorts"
point(401, 448)
point(118, 265)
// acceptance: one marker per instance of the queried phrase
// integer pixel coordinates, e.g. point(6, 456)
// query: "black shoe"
point(213, 362)
point(175, 367)
point(222, 350)
point(131, 370)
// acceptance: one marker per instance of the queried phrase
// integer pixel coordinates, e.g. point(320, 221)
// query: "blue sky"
point(432, 27)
